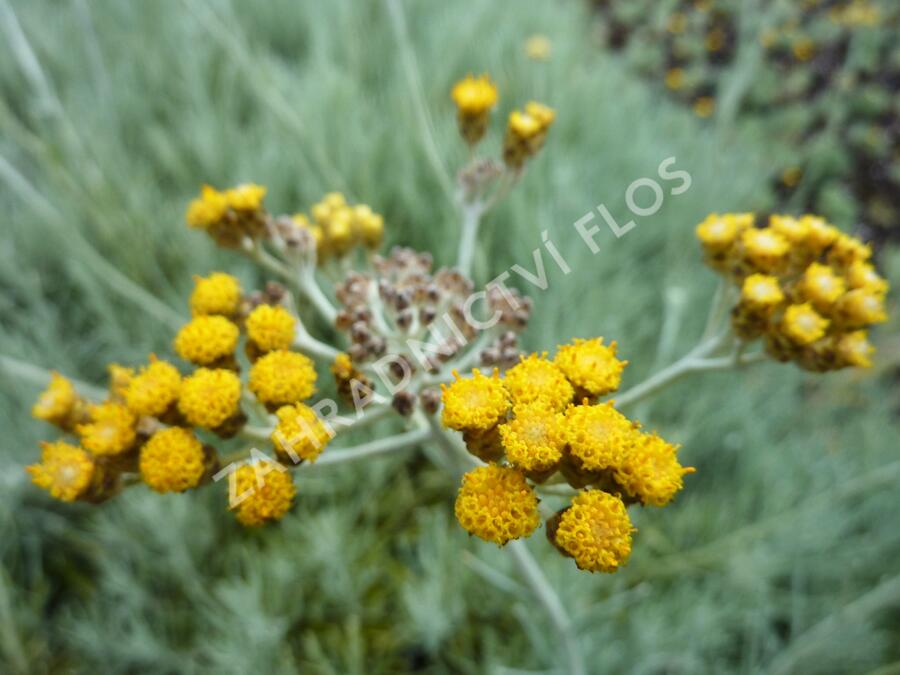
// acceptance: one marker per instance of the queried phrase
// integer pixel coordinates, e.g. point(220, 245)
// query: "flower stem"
point(471, 219)
point(550, 601)
point(382, 446)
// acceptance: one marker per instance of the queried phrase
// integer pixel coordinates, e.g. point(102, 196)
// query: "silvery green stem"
point(469, 236)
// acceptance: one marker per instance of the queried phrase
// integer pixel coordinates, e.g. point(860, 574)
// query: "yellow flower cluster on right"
point(542, 419)
point(807, 289)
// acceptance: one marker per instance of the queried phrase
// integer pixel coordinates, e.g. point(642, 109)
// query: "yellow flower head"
point(538, 48)
point(535, 438)
point(596, 531)
point(474, 95)
point(651, 472)
point(591, 366)
point(764, 248)
point(474, 403)
point(675, 78)
point(821, 286)
point(802, 324)
point(65, 471)
point(819, 234)
point(271, 328)
point(718, 232)
point(544, 114)
point(339, 230)
point(262, 503)
point(368, 226)
point(342, 367)
point(761, 292)
point(794, 230)
point(207, 210)
point(536, 378)
point(854, 349)
point(219, 293)
point(299, 433)
point(599, 435)
point(209, 398)
point(282, 378)
point(862, 275)
point(119, 379)
point(246, 197)
point(172, 460)
point(523, 126)
point(861, 307)
point(111, 430)
point(153, 389)
point(704, 106)
point(495, 503)
point(846, 250)
point(206, 339)
point(57, 402)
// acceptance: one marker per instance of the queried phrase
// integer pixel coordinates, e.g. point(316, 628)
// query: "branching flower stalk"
point(537, 439)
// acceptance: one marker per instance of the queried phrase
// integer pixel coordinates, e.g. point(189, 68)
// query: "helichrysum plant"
point(525, 428)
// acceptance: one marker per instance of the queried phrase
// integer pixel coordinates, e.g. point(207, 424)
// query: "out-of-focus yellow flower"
point(536, 378)
point(209, 398)
point(110, 431)
point(794, 230)
point(862, 275)
point(65, 471)
point(676, 23)
point(846, 250)
point(119, 379)
point(854, 349)
point(761, 293)
point(860, 308)
point(704, 106)
point(219, 293)
point(821, 286)
point(538, 48)
point(651, 471)
point(764, 248)
point(474, 403)
point(57, 403)
point(802, 324)
point(715, 40)
point(819, 234)
point(266, 502)
point(718, 232)
point(474, 98)
point(526, 132)
point(283, 378)
point(299, 434)
point(208, 209)
point(245, 197)
point(535, 438)
point(590, 366)
point(154, 389)
point(495, 503)
point(596, 531)
point(172, 460)
point(791, 176)
point(599, 435)
point(803, 49)
point(206, 340)
point(271, 328)
point(675, 78)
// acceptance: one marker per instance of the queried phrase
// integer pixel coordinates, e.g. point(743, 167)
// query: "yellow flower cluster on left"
point(807, 289)
point(337, 227)
point(157, 422)
point(540, 419)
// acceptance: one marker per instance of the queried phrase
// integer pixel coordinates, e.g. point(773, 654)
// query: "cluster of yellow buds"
point(526, 129)
point(151, 424)
point(541, 423)
point(808, 289)
point(337, 227)
point(230, 216)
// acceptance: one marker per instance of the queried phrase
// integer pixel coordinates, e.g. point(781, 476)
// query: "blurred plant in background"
point(822, 76)
point(779, 556)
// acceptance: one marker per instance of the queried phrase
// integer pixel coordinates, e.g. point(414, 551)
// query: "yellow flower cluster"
point(270, 328)
point(229, 217)
point(65, 471)
point(172, 460)
point(207, 340)
point(337, 227)
point(60, 404)
point(531, 424)
point(808, 289)
point(526, 132)
point(111, 430)
point(219, 293)
point(300, 434)
point(264, 494)
point(210, 398)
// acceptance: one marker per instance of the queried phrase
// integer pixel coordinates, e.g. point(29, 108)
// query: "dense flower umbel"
point(526, 426)
point(229, 217)
point(261, 503)
point(65, 471)
point(807, 288)
point(496, 504)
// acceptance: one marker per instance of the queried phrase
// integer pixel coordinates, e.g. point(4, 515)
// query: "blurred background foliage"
point(781, 554)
